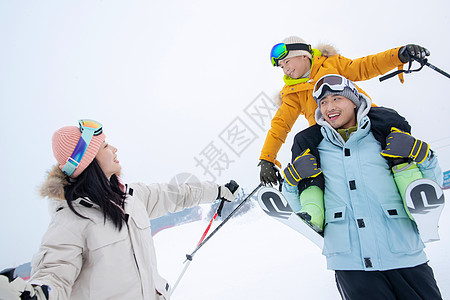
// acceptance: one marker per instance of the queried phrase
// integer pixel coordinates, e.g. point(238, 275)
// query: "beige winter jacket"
point(90, 259)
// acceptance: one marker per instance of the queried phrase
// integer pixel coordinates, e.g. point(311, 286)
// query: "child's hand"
point(412, 51)
point(269, 174)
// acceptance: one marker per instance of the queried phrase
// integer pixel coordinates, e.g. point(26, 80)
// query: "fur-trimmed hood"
point(53, 186)
point(327, 50)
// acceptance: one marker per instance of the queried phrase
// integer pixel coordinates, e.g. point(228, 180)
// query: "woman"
point(99, 244)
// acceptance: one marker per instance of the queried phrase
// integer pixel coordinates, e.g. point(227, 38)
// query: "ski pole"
point(189, 257)
point(423, 62)
point(437, 69)
point(202, 241)
point(218, 212)
point(232, 186)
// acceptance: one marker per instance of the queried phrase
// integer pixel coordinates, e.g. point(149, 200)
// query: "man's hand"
point(304, 166)
point(402, 144)
point(412, 51)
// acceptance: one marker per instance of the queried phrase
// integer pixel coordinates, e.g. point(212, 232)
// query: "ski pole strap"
point(390, 75)
point(422, 62)
point(219, 210)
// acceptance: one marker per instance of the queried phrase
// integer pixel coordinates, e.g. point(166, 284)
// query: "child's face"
point(338, 111)
point(296, 66)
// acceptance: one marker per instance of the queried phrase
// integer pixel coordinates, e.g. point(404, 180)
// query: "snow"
point(255, 257)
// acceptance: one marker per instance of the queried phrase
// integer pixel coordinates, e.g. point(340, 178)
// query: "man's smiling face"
point(338, 111)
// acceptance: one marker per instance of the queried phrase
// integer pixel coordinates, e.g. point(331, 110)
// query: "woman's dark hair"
point(93, 185)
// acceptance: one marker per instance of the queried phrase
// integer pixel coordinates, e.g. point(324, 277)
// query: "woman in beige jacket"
point(99, 244)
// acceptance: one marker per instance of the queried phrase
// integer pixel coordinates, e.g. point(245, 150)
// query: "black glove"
point(9, 272)
point(269, 174)
point(402, 144)
point(412, 51)
point(304, 166)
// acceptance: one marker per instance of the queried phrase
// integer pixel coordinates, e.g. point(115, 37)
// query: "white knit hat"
point(296, 40)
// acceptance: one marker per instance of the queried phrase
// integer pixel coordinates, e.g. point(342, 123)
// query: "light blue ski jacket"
point(366, 225)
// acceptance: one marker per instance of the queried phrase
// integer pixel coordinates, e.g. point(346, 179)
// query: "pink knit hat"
point(64, 141)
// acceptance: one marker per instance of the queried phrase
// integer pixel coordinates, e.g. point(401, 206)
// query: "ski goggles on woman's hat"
point(88, 129)
point(334, 83)
point(281, 50)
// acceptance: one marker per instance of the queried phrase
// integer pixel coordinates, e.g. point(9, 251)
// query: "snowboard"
point(275, 205)
point(424, 199)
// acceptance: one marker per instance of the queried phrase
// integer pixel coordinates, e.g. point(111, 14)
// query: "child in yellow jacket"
point(303, 66)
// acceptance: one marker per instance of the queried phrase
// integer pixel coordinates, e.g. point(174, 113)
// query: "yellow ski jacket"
point(297, 98)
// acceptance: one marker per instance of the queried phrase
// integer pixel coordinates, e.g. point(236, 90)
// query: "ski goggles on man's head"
point(333, 83)
point(281, 50)
point(88, 129)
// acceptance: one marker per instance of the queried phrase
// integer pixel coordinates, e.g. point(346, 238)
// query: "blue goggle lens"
point(279, 51)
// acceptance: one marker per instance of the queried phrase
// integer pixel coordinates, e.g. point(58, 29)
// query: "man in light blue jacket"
point(369, 240)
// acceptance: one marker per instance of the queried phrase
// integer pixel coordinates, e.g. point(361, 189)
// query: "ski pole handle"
point(232, 186)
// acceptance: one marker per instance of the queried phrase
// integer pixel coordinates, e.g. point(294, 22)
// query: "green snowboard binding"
point(312, 208)
point(423, 199)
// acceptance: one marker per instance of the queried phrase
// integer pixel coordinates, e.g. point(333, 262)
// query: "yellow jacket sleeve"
point(367, 67)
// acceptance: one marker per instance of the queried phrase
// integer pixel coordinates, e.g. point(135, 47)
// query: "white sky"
point(167, 77)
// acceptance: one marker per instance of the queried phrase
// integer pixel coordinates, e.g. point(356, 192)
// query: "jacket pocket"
point(337, 236)
point(402, 232)
point(104, 235)
point(141, 219)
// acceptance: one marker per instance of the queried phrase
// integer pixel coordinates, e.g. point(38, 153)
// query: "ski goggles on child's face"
point(88, 129)
point(334, 83)
point(281, 50)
